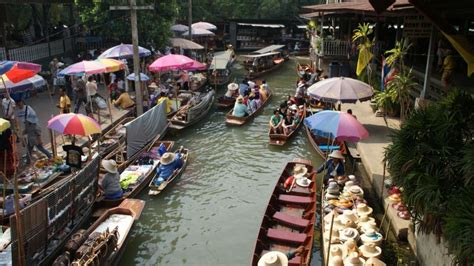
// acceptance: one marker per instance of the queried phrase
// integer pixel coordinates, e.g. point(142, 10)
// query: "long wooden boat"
point(239, 121)
point(323, 146)
point(155, 190)
point(145, 171)
point(225, 103)
point(281, 139)
point(289, 219)
point(104, 241)
point(265, 59)
point(219, 69)
point(112, 138)
point(195, 113)
point(277, 63)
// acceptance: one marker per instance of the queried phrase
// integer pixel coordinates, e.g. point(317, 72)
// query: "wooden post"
point(190, 19)
point(429, 63)
point(53, 143)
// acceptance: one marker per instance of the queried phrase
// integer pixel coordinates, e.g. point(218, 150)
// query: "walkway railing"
point(37, 51)
point(336, 48)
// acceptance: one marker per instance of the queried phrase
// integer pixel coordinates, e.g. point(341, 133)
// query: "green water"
point(212, 213)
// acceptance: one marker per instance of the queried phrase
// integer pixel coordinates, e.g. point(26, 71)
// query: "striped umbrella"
point(111, 65)
point(336, 125)
point(124, 51)
point(32, 83)
point(18, 71)
point(74, 124)
point(88, 67)
point(343, 89)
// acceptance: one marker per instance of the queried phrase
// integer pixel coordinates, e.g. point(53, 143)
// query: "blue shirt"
point(243, 89)
point(27, 113)
point(330, 169)
point(165, 171)
point(240, 110)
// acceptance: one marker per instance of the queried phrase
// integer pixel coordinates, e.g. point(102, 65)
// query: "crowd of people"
point(250, 96)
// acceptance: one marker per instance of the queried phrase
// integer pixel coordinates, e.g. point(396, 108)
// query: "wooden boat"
point(238, 121)
point(225, 103)
point(320, 144)
point(268, 59)
point(193, 114)
point(146, 172)
point(289, 219)
point(301, 69)
point(219, 69)
point(105, 240)
point(281, 139)
point(155, 190)
point(112, 138)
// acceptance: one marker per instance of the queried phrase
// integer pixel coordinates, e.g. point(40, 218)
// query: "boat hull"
point(239, 121)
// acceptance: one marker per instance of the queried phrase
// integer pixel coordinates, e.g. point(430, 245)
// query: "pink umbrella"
point(336, 125)
point(196, 66)
point(84, 67)
point(171, 62)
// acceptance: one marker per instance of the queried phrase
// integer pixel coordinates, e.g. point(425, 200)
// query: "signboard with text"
point(416, 26)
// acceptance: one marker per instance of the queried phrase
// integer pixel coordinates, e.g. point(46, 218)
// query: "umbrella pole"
point(5, 86)
point(109, 104)
point(53, 143)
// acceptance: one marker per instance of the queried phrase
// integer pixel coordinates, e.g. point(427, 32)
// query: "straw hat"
point(328, 217)
point(330, 196)
point(332, 188)
point(352, 178)
point(153, 85)
point(336, 154)
point(346, 195)
point(363, 209)
point(294, 107)
point(251, 84)
point(335, 261)
point(240, 99)
point(336, 251)
point(348, 215)
point(337, 225)
point(365, 219)
point(303, 181)
point(167, 158)
point(374, 262)
point(233, 86)
point(371, 236)
point(335, 236)
point(370, 250)
point(356, 191)
point(300, 169)
point(349, 233)
point(273, 258)
point(110, 166)
point(354, 260)
point(345, 203)
point(394, 198)
point(368, 226)
point(348, 185)
point(348, 247)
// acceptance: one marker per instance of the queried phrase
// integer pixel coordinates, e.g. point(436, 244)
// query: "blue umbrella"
point(143, 77)
point(124, 51)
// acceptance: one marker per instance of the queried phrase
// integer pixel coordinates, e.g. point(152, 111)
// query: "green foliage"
point(428, 158)
point(153, 25)
point(361, 37)
point(400, 87)
point(396, 55)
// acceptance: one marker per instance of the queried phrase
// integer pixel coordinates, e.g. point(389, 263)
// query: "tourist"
point(110, 182)
point(288, 123)
point(300, 93)
point(166, 99)
point(349, 111)
point(265, 86)
point(113, 89)
point(7, 165)
point(169, 162)
point(8, 109)
point(91, 87)
point(283, 108)
point(449, 64)
point(263, 93)
point(251, 104)
point(243, 88)
point(64, 102)
point(277, 258)
point(231, 92)
point(276, 122)
point(81, 96)
point(28, 117)
point(334, 166)
point(240, 109)
point(53, 68)
point(120, 83)
point(124, 100)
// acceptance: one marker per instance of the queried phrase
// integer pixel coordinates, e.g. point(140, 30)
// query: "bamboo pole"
point(326, 259)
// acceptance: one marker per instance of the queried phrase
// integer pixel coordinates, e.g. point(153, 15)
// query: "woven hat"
point(348, 215)
point(251, 84)
point(370, 250)
point(371, 236)
point(348, 185)
point(336, 250)
point(300, 169)
point(303, 181)
point(346, 195)
point(356, 191)
point(345, 203)
point(110, 166)
point(349, 233)
point(374, 262)
point(153, 85)
point(328, 217)
point(332, 188)
point(273, 258)
point(364, 210)
point(368, 226)
point(335, 261)
point(330, 196)
point(233, 86)
point(354, 260)
point(335, 236)
point(167, 158)
point(336, 154)
point(365, 219)
point(348, 247)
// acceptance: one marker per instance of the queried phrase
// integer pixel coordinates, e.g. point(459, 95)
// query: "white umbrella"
point(343, 89)
point(185, 44)
point(199, 32)
point(179, 28)
point(203, 25)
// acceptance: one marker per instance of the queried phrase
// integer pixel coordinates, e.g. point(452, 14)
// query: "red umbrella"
point(18, 71)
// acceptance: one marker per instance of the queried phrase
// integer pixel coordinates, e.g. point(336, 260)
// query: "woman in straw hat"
point(110, 182)
point(169, 162)
point(232, 91)
point(277, 258)
point(334, 166)
point(240, 109)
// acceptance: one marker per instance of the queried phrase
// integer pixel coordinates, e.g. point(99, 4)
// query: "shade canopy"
point(196, 66)
point(17, 71)
point(32, 83)
point(88, 67)
point(124, 51)
point(199, 32)
point(74, 124)
point(203, 25)
point(343, 89)
point(179, 28)
point(143, 77)
point(335, 124)
point(171, 62)
point(111, 65)
point(185, 44)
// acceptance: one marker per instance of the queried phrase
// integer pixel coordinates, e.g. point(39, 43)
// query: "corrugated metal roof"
point(355, 6)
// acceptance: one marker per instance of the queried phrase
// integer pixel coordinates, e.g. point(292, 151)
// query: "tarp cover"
point(268, 49)
point(145, 128)
point(262, 25)
point(260, 55)
point(221, 60)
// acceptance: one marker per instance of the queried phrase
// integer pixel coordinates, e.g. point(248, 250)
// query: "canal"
point(211, 215)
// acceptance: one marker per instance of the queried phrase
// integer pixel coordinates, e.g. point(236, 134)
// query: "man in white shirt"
point(91, 87)
point(8, 108)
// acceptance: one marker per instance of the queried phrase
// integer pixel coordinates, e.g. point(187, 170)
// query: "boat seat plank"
point(296, 261)
point(295, 199)
point(291, 220)
point(300, 191)
point(286, 236)
point(292, 211)
point(329, 148)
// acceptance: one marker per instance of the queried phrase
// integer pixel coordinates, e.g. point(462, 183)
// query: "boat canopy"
point(260, 55)
point(276, 26)
point(268, 49)
point(221, 60)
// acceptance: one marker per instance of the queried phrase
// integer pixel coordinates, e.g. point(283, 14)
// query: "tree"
point(361, 37)
point(153, 25)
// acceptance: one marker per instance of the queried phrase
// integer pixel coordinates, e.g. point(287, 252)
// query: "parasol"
point(74, 124)
point(143, 77)
point(185, 44)
point(199, 32)
point(84, 67)
point(124, 51)
point(111, 65)
point(196, 66)
point(335, 124)
point(171, 62)
point(4, 125)
point(17, 71)
point(34, 82)
point(345, 90)
point(203, 25)
point(179, 28)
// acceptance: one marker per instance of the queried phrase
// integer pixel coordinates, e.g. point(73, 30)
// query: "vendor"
point(334, 166)
point(110, 182)
point(124, 100)
point(169, 162)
